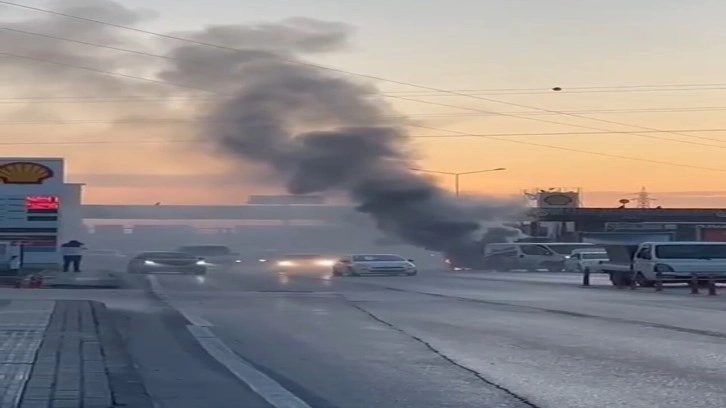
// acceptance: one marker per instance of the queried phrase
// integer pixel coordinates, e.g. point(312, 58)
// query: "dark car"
point(166, 262)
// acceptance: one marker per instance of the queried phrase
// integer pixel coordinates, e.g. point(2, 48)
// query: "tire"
point(336, 273)
point(619, 278)
point(641, 280)
point(412, 274)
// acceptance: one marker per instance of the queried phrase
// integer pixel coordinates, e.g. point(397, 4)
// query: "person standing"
point(72, 252)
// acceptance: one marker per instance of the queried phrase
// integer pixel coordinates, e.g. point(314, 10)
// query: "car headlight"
point(147, 262)
point(262, 260)
point(325, 262)
point(200, 262)
point(237, 260)
point(285, 263)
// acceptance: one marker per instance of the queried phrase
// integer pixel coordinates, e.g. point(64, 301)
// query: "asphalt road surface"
point(440, 339)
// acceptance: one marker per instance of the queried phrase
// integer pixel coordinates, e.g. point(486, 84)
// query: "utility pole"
point(457, 175)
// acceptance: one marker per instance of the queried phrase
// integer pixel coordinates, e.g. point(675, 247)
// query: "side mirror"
point(410, 260)
point(200, 258)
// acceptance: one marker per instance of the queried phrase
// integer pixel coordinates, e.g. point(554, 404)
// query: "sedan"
point(167, 262)
point(357, 265)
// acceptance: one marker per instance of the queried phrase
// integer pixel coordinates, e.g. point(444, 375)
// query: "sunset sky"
point(627, 65)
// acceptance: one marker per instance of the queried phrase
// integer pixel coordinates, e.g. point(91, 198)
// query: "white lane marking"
point(162, 294)
point(269, 389)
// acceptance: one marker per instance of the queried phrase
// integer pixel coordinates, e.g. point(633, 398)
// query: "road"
point(440, 339)
point(458, 340)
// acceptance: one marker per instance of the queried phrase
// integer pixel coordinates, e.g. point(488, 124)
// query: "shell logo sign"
point(24, 173)
point(558, 199)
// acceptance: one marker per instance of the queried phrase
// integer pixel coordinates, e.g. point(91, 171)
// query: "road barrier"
point(712, 286)
point(586, 277)
point(658, 282)
point(694, 284)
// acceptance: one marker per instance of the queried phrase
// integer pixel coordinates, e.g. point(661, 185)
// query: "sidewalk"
point(64, 354)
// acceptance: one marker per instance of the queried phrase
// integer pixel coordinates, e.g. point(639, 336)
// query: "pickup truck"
point(213, 255)
point(621, 247)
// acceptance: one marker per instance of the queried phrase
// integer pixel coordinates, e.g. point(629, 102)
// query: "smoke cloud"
point(316, 130)
point(322, 133)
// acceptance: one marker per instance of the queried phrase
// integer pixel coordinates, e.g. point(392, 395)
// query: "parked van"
point(677, 261)
point(530, 256)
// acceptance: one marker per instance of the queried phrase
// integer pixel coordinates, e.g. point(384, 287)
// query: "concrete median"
point(85, 279)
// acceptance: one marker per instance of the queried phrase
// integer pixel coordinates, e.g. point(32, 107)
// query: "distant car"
point(374, 264)
point(166, 262)
point(580, 260)
point(213, 255)
point(306, 261)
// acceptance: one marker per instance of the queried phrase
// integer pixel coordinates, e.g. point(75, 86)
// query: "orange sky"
point(616, 48)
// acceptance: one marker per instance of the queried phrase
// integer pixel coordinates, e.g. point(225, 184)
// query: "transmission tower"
point(643, 199)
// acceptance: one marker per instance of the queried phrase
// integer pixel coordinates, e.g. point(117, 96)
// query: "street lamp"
point(457, 175)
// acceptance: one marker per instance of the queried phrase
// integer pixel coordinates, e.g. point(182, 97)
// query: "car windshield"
point(206, 250)
point(566, 249)
point(594, 255)
point(696, 251)
point(166, 255)
point(376, 258)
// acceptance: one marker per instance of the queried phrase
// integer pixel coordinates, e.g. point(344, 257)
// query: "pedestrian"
point(72, 255)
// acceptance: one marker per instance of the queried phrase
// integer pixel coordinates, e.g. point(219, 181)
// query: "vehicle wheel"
point(412, 274)
point(336, 273)
point(619, 278)
point(643, 282)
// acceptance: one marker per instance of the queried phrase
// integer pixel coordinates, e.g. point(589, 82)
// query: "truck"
point(213, 255)
point(621, 248)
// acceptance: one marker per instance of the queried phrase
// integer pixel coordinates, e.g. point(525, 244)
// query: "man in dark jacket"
point(72, 255)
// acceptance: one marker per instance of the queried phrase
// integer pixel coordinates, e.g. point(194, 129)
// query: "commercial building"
point(37, 208)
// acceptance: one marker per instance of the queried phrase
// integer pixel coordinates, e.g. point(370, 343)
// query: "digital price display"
point(42, 202)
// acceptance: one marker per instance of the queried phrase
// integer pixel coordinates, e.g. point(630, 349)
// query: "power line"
point(200, 119)
point(99, 71)
point(53, 37)
point(346, 72)
point(569, 149)
point(639, 134)
point(364, 76)
point(298, 62)
point(457, 135)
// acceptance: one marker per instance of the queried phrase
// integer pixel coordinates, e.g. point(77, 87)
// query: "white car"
point(374, 264)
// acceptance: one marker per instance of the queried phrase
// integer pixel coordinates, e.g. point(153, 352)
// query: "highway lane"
point(465, 339)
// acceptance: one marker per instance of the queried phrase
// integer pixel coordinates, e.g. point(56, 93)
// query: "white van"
point(530, 255)
point(678, 261)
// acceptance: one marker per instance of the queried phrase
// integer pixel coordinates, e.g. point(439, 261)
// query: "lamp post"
point(458, 174)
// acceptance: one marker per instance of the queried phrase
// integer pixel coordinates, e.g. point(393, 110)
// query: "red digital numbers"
point(41, 202)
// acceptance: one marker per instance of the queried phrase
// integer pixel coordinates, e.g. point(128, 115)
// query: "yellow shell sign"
point(24, 173)
point(558, 199)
